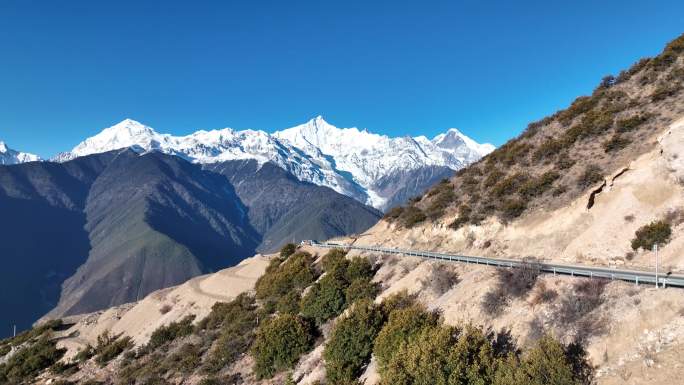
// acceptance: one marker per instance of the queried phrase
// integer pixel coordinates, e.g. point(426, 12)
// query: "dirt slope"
point(138, 320)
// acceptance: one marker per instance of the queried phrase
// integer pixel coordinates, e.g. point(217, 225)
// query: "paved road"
point(638, 277)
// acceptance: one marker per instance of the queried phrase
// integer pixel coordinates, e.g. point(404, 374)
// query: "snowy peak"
point(9, 156)
point(352, 162)
point(454, 139)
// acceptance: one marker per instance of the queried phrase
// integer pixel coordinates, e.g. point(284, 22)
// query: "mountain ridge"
point(348, 160)
point(9, 156)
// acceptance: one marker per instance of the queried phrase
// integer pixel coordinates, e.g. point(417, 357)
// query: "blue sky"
point(71, 68)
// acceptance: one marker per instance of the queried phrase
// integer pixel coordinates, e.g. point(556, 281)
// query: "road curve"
point(635, 276)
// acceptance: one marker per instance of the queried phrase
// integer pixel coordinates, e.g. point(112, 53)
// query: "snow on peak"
point(348, 160)
point(9, 156)
point(453, 139)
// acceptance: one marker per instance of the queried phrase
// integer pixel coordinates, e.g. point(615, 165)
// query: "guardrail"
point(637, 277)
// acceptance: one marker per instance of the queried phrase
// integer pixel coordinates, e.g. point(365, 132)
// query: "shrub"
point(351, 343)
point(631, 123)
point(184, 360)
point(537, 186)
point(543, 294)
point(616, 142)
point(412, 216)
point(29, 361)
point(511, 283)
point(236, 320)
point(509, 185)
point(403, 325)
point(287, 250)
point(168, 333)
point(464, 212)
point(109, 346)
point(581, 105)
point(359, 267)
point(289, 303)
point(587, 295)
point(84, 354)
point(493, 302)
point(664, 91)
point(443, 355)
point(656, 232)
point(512, 208)
point(279, 343)
point(225, 312)
point(325, 299)
point(546, 363)
point(294, 273)
point(592, 174)
point(332, 258)
point(549, 148)
point(361, 288)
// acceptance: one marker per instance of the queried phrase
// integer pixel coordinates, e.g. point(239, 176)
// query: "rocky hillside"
point(307, 319)
point(575, 185)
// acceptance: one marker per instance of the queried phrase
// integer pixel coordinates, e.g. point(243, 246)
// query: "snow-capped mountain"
point(348, 160)
point(9, 156)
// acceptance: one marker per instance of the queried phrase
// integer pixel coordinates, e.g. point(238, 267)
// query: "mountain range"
point(9, 156)
point(365, 166)
point(129, 210)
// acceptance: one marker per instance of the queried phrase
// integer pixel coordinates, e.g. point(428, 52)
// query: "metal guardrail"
point(637, 277)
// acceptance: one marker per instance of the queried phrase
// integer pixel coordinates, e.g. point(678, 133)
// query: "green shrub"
point(226, 312)
point(664, 91)
point(412, 216)
point(493, 178)
point(84, 354)
point(631, 123)
point(443, 355)
point(547, 363)
point(109, 346)
point(581, 105)
point(656, 232)
point(615, 143)
point(403, 325)
point(592, 175)
point(361, 288)
point(351, 343)
point(325, 300)
point(548, 149)
point(30, 360)
point(289, 303)
point(185, 360)
point(236, 320)
point(287, 250)
point(512, 208)
point(509, 185)
point(296, 272)
point(359, 267)
point(332, 258)
point(165, 334)
point(279, 343)
point(537, 186)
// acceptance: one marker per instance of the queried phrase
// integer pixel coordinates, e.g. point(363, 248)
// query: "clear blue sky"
point(70, 68)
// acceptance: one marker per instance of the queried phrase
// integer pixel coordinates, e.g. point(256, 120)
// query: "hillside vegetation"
point(564, 155)
point(260, 337)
